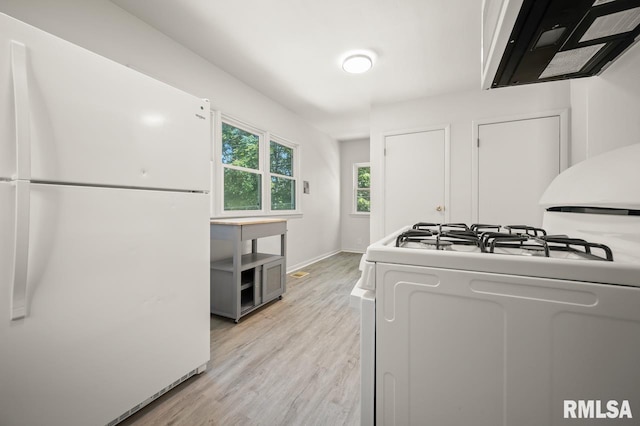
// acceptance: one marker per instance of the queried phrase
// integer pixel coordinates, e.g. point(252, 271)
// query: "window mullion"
point(266, 177)
point(242, 169)
point(283, 176)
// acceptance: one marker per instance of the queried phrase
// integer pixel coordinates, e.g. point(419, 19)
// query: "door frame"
point(563, 115)
point(447, 167)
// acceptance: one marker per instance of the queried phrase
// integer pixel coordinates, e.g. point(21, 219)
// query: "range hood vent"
point(544, 40)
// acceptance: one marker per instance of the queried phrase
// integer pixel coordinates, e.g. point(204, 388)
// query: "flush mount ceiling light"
point(357, 64)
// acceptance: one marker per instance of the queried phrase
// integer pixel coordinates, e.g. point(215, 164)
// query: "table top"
point(246, 221)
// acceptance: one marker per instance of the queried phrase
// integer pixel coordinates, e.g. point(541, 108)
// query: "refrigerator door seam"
point(95, 185)
point(21, 251)
point(22, 110)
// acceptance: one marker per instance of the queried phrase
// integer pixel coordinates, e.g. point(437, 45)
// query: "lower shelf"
point(246, 300)
point(253, 287)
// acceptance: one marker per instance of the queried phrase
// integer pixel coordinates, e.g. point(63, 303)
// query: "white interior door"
point(416, 178)
point(516, 161)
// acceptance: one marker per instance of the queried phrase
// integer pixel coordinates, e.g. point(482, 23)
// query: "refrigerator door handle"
point(21, 251)
point(22, 109)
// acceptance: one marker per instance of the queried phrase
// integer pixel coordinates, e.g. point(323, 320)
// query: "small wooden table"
point(244, 282)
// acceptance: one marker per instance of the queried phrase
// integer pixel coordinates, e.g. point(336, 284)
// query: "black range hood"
point(562, 39)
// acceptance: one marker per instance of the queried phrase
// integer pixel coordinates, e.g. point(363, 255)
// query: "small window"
point(362, 188)
point(283, 179)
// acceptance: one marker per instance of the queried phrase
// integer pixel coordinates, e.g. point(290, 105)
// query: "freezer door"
point(118, 302)
point(93, 121)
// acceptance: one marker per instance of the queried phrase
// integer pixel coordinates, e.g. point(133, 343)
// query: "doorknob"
point(440, 208)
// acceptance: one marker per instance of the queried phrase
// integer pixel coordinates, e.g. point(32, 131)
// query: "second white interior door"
point(415, 179)
point(517, 160)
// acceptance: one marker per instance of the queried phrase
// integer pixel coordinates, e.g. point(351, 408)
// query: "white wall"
point(354, 228)
point(104, 28)
point(606, 108)
point(458, 110)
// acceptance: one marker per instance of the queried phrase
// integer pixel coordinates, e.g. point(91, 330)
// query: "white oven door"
point(472, 348)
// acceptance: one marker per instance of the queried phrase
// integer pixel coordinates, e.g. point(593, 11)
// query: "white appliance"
point(104, 234)
point(493, 325)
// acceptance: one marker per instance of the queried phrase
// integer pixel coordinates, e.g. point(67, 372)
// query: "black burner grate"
point(488, 237)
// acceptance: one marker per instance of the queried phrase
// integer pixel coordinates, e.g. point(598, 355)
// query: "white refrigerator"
point(104, 234)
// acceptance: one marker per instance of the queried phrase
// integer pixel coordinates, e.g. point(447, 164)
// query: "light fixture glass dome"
point(357, 64)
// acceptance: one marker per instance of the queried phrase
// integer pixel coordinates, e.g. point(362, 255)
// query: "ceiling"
point(290, 50)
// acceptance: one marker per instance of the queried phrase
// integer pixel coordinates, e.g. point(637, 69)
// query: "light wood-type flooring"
point(293, 362)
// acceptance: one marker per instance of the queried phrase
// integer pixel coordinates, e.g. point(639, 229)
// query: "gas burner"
point(544, 245)
point(437, 243)
point(413, 235)
point(415, 238)
point(489, 241)
point(534, 249)
point(437, 228)
point(577, 247)
point(437, 236)
point(480, 228)
point(526, 230)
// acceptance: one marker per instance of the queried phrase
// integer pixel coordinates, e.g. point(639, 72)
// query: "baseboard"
point(358, 251)
point(301, 265)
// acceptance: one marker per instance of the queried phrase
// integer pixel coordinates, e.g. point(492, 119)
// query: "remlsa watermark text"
point(597, 409)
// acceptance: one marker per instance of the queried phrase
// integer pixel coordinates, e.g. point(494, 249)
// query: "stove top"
point(520, 240)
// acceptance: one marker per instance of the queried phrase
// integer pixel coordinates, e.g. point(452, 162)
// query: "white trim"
point(296, 172)
point(217, 186)
point(264, 170)
point(242, 169)
point(356, 251)
point(447, 173)
point(212, 163)
point(243, 125)
point(306, 263)
point(447, 167)
point(220, 212)
point(415, 130)
point(563, 115)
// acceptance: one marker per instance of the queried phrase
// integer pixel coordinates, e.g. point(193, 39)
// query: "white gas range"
point(510, 325)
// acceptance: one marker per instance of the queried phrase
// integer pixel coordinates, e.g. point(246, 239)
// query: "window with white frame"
point(282, 173)
point(260, 171)
point(362, 188)
point(242, 174)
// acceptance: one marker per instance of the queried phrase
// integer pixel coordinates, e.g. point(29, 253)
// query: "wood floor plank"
point(294, 362)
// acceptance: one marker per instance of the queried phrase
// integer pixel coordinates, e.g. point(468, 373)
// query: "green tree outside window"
point(283, 186)
point(363, 188)
point(242, 188)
